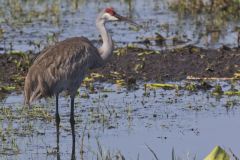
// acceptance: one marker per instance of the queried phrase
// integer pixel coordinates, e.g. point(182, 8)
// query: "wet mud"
point(173, 65)
point(132, 64)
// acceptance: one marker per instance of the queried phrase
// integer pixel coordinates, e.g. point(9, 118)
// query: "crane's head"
point(109, 14)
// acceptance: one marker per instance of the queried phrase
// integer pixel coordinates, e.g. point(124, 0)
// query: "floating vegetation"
point(148, 52)
point(1, 32)
point(92, 77)
point(190, 87)
point(217, 90)
point(22, 59)
point(120, 82)
point(237, 75)
point(24, 112)
point(161, 85)
point(120, 51)
point(38, 112)
point(232, 93)
point(7, 88)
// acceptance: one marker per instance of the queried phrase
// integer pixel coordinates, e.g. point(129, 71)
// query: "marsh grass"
point(226, 9)
point(18, 121)
point(211, 18)
point(106, 154)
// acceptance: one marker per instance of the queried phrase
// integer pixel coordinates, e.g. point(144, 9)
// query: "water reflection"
point(73, 142)
point(58, 150)
point(73, 156)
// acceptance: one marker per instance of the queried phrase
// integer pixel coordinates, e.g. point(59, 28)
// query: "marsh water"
point(30, 26)
point(125, 121)
point(114, 119)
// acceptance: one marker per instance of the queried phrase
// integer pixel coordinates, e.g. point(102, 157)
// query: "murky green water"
point(192, 123)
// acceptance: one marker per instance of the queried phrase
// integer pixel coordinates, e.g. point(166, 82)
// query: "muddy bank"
point(173, 65)
point(131, 64)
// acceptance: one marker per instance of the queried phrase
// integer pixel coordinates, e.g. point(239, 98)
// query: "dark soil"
point(132, 65)
point(8, 68)
point(175, 64)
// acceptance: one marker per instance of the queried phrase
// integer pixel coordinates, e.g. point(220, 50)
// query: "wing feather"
point(69, 56)
point(63, 66)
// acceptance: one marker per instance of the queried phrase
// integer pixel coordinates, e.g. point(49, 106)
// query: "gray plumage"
point(61, 67)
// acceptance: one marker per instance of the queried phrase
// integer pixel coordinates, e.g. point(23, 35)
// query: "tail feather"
point(35, 86)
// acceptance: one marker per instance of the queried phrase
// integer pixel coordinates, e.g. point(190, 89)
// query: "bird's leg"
point(57, 117)
point(58, 150)
point(73, 157)
point(72, 121)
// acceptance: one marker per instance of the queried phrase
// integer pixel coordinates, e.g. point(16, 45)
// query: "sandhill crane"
point(62, 67)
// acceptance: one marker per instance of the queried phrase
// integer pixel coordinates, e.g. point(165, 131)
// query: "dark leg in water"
point(72, 121)
point(58, 150)
point(57, 118)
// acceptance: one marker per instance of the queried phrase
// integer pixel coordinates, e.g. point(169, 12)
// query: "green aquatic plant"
point(162, 85)
point(7, 88)
point(211, 18)
point(232, 93)
point(201, 6)
point(217, 90)
point(217, 154)
point(1, 32)
point(190, 87)
point(237, 75)
point(20, 12)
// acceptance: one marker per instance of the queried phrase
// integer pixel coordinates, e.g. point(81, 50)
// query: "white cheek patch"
point(109, 17)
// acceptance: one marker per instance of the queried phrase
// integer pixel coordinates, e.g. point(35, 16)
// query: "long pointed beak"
point(125, 19)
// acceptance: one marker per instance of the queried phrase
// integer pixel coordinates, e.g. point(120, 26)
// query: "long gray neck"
point(107, 47)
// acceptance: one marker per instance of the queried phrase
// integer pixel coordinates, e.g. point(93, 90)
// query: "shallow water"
point(43, 22)
point(191, 123)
